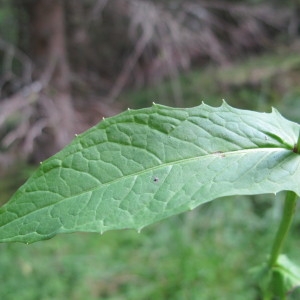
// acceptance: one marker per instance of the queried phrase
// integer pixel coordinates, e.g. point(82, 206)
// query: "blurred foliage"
point(8, 28)
point(256, 83)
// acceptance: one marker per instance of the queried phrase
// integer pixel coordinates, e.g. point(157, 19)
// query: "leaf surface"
point(142, 166)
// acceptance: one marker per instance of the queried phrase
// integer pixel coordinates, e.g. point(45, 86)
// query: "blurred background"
point(66, 64)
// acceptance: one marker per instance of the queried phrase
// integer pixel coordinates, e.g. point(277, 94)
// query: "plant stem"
point(287, 217)
point(286, 221)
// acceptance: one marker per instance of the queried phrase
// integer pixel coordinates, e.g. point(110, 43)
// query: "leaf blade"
point(143, 166)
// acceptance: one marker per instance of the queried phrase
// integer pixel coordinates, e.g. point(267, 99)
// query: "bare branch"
point(10, 53)
point(26, 96)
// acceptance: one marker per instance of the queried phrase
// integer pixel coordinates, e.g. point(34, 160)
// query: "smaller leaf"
point(282, 279)
point(285, 276)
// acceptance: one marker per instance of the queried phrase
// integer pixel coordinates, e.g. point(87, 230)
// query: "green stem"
point(286, 221)
point(285, 224)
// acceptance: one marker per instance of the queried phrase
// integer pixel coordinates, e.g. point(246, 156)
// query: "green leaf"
point(142, 166)
point(279, 280)
point(285, 277)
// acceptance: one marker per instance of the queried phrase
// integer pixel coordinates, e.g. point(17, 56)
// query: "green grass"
point(203, 254)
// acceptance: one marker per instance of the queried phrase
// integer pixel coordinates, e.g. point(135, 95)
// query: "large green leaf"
point(144, 165)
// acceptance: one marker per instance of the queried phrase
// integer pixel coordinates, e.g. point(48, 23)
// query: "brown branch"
point(26, 96)
point(127, 69)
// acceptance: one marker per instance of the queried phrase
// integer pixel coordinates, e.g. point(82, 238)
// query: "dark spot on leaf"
point(155, 179)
